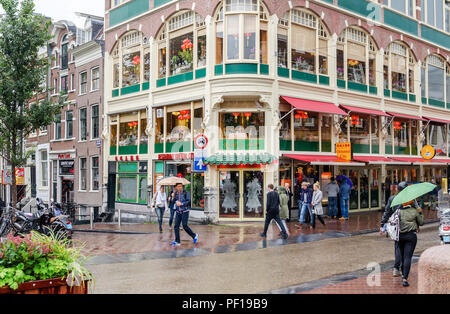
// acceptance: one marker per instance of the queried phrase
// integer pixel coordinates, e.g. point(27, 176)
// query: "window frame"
point(425, 12)
point(95, 79)
point(92, 173)
point(80, 187)
point(44, 161)
point(67, 129)
point(83, 83)
point(388, 3)
point(93, 137)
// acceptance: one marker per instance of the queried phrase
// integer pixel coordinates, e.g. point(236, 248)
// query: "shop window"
point(128, 132)
point(389, 140)
point(326, 125)
point(435, 79)
point(219, 39)
point(323, 57)
point(306, 131)
point(127, 188)
point(340, 64)
point(131, 69)
point(285, 132)
point(181, 54)
point(198, 193)
point(201, 51)
point(113, 136)
point(360, 133)
point(372, 71)
point(282, 51)
point(364, 189)
point(143, 127)
point(398, 67)
point(375, 135)
point(386, 77)
point(343, 133)
point(438, 138)
point(162, 63)
point(147, 67)
point(414, 137)
point(242, 130)
point(263, 48)
point(116, 76)
point(401, 137)
point(159, 130)
point(179, 125)
point(356, 63)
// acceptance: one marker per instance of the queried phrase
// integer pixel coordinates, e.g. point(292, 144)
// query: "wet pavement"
point(144, 240)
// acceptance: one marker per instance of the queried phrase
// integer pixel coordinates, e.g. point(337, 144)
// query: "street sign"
point(428, 152)
point(199, 160)
point(201, 141)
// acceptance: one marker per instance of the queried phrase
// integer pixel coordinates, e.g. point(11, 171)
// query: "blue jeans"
point(344, 207)
point(160, 213)
point(332, 206)
point(172, 215)
point(182, 219)
point(305, 207)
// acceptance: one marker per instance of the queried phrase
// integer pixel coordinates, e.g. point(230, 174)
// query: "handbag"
point(393, 225)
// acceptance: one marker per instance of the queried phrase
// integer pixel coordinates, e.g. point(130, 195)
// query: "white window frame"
point(95, 78)
point(55, 127)
point(388, 3)
point(92, 173)
point(43, 161)
point(80, 128)
point(425, 14)
point(81, 83)
point(80, 188)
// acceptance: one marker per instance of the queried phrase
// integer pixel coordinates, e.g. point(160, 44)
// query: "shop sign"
point(344, 151)
point(64, 156)
point(66, 167)
point(20, 176)
point(179, 156)
point(428, 152)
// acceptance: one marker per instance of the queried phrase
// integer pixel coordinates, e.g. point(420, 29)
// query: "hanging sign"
point(201, 141)
point(428, 152)
point(344, 151)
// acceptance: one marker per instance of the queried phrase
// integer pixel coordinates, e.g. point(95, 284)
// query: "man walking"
point(304, 203)
point(332, 190)
point(182, 208)
point(273, 212)
point(344, 195)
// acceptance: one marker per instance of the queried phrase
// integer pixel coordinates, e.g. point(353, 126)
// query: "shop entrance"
point(241, 195)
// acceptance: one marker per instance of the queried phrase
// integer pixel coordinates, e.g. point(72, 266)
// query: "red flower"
point(136, 60)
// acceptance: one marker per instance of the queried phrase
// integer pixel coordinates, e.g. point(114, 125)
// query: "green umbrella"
point(412, 192)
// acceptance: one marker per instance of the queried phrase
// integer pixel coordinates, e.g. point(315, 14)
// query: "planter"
point(51, 286)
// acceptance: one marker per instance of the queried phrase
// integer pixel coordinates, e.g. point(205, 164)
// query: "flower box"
point(50, 286)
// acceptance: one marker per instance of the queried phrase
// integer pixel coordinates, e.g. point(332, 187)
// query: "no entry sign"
point(201, 141)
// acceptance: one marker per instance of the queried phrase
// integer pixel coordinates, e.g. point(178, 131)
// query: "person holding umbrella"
point(410, 220)
point(181, 201)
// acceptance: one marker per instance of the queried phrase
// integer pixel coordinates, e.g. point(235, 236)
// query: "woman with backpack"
point(410, 220)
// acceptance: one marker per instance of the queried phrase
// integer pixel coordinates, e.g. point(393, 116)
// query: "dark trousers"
point(314, 216)
point(172, 215)
point(160, 213)
point(182, 219)
point(276, 216)
point(398, 257)
point(407, 244)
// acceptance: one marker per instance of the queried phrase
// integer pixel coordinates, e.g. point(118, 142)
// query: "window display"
point(131, 66)
point(181, 54)
point(306, 131)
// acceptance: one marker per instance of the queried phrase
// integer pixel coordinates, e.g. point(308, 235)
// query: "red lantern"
point(298, 116)
point(398, 125)
point(236, 115)
point(355, 120)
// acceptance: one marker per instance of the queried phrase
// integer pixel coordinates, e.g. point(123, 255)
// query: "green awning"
point(237, 159)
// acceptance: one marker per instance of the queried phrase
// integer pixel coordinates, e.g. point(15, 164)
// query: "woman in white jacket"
point(317, 209)
point(160, 205)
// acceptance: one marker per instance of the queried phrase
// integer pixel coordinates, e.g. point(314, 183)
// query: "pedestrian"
point(160, 205)
point(388, 211)
point(410, 220)
point(182, 209)
point(172, 206)
point(344, 195)
point(305, 203)
point(332, 190)
point(316, 203)
point(434, 196)
point(289, 194)
point(273, 212)
point(284, 207)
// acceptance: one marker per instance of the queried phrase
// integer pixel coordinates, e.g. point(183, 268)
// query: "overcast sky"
point(65, 9)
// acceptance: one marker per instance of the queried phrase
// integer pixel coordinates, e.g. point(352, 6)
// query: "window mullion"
point(241, 37)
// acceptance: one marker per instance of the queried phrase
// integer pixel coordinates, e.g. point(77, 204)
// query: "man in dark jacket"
point(273, 212)
point(182, 203)
point(304, 203)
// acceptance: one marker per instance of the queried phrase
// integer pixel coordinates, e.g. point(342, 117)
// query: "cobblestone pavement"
point(142, 238)
point(285, 268)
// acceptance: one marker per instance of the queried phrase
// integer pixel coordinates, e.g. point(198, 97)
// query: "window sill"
point(72, 91)
point(82, 191)
point(94, 90)
point(82, 94)
point(94, 191)
point(62, 140)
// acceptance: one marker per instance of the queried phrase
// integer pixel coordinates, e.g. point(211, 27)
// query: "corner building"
point(274, 86)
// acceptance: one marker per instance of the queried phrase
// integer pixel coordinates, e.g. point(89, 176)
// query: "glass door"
point(229, 194)
point(253, 194)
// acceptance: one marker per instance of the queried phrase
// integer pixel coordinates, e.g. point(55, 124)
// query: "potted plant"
point(39, 264)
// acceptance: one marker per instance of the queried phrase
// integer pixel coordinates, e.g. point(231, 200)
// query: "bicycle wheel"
point(5, 228)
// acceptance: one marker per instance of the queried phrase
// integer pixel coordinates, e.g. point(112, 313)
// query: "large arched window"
point(131, 60)
point(182, 44)
point(307, 48)
point(356, 57)
point(398, 68)
point(65, 52)
point(436, 80)
point(241, 31)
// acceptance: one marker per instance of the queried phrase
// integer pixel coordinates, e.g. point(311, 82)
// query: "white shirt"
point(161, 199)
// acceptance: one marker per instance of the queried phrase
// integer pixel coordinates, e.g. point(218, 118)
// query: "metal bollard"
point(119, 218)
point(92, 218)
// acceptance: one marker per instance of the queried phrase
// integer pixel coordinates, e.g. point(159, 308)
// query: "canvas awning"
point(324, 160)
point(314, 106)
